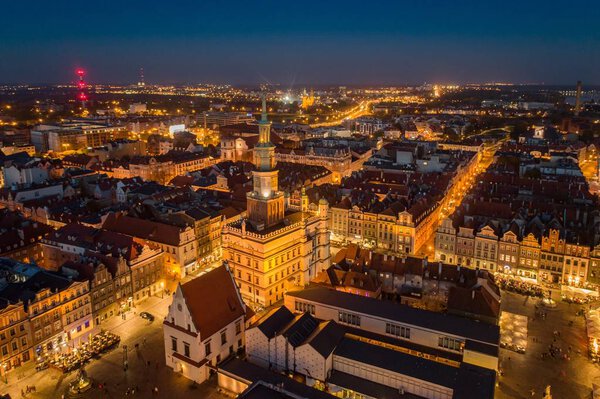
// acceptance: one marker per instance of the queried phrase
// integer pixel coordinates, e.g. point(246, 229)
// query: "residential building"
point(122, 270)
point(177, 243)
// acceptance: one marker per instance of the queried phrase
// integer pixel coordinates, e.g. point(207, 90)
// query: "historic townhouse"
point(205, 324)
point(486, 249)
point(177, 243)
point(552, 257)
point(15, 334)
point(529, 257)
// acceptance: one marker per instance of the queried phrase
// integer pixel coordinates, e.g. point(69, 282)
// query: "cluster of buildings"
point(395, 202)
point(331, 343)
point(414, 281)
point(526, 218)
point(74, 136)
point(42, 313)
point(340, 155)
point(337, 337)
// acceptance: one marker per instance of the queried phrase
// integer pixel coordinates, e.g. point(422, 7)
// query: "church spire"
point(263, 117)
point(264, 125)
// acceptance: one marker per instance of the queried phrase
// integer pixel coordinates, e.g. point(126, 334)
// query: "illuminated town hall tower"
point(275, 248)
point(266, 204)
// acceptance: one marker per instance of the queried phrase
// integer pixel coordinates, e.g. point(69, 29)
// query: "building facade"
point(205, 324)
point(274, 249)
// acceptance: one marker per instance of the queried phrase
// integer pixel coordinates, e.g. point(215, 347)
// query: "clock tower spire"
point(265, 203)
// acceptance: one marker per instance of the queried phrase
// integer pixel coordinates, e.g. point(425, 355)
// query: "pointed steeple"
point(266, 204)
point(263, 117)
point(264, 125)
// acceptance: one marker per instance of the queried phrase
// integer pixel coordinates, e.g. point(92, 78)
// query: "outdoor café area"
point(77, 357)
point(592, 323)
point(577, 295)
point(518, 285)
point(513, 332)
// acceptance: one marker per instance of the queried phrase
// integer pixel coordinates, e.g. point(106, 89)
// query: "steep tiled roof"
point(213, 301)
point(142, 228)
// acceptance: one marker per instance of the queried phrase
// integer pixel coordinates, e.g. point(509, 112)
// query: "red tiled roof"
point(213, 301)
point(142, 228)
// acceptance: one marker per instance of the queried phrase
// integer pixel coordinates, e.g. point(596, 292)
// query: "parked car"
point(147, 316)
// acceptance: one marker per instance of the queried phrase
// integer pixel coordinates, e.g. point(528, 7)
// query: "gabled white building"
point(205, 324)
point(296, 343)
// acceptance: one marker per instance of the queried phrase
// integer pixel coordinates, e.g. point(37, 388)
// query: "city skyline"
point(374, 200)
point(333, 43)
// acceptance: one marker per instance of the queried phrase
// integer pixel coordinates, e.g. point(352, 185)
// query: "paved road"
point(523, 372)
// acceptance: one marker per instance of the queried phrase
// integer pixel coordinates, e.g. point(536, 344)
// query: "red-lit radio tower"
point(81, 86)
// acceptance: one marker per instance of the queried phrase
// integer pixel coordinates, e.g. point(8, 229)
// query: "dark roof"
point(263, 390)
point(401, 313)
point(366, 387)
point(481, 347)
point(273, 323)
point(326, 338)
point(474, 382)
point(143, 228)
point(467, 381)
point(476, 301)
point(396, 361)
point(252, 373)
point(302, 327)
point(322, 336)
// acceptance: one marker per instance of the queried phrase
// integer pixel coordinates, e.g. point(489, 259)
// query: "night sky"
point(301, 42)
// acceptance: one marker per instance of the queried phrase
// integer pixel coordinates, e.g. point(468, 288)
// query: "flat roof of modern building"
point(252, 373)
point(396, 361)
point(367, 387)
point(403, 314)
point(405, 343)
point(466, 381)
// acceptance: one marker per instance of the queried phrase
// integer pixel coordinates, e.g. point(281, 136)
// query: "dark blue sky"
point(313, 42)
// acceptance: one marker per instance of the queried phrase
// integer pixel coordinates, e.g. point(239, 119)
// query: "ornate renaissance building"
point(277, 247)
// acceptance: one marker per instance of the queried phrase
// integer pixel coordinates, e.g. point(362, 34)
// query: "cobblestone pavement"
point(146, 365)
point(526, 375)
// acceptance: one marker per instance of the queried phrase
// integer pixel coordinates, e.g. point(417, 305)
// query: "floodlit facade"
point(205, 324)
point(276, 248)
